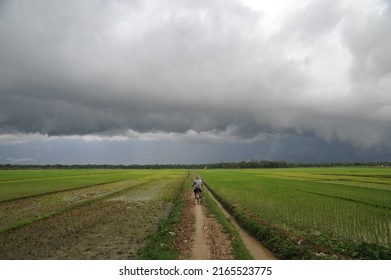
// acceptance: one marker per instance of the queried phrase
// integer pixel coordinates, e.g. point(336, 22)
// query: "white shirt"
point(197, 183)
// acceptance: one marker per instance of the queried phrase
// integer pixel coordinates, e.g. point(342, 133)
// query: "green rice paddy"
point(351, 204)
point(329, 207)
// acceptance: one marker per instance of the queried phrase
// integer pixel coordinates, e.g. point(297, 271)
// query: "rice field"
point(109, 213)
point(16, 184)
point(83, 214)
point(347, 204)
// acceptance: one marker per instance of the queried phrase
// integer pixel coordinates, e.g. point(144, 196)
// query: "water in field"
point(109, 221)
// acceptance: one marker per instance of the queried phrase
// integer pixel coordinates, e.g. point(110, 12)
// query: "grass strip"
point(239, 250)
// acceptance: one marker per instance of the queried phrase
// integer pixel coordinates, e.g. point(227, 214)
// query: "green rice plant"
point(304, 203)
point(79, 188)
point(15, 184)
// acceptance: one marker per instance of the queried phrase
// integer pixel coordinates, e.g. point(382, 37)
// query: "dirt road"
point(201, 249)
point(201, 237)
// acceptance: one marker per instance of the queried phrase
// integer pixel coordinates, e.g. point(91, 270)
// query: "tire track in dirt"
point(201, 249)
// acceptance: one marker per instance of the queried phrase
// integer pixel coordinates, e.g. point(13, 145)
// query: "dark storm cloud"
point(91, 67)
point(195, 70)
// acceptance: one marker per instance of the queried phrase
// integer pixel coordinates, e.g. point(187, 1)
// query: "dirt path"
point(201, 249)
point(209, 242)
point(200, 236)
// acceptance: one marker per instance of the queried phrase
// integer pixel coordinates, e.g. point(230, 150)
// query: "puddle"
point(257, 251)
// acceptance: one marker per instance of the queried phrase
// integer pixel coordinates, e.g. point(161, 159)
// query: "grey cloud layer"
point(106, 67)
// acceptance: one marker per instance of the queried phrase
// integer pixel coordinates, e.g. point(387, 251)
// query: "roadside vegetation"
point(239, 250)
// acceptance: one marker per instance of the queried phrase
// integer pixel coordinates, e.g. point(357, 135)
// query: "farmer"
point(197, 185)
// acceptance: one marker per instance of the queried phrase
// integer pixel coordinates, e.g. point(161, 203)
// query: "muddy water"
point(16, 212)
point(257, 251)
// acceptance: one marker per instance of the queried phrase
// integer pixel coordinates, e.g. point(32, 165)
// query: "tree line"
point(227, 165)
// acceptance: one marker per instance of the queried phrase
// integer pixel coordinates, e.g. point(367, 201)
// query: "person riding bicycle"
point(197, 185)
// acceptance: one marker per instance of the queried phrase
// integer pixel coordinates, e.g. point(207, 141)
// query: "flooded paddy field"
point(100, 221)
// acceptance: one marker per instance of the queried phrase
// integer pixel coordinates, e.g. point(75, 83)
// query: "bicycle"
point(197, 196)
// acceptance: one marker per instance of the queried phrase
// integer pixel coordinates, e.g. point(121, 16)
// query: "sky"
point(194, 81)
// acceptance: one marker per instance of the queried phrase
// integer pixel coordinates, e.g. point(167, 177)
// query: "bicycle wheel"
point(198, 198)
